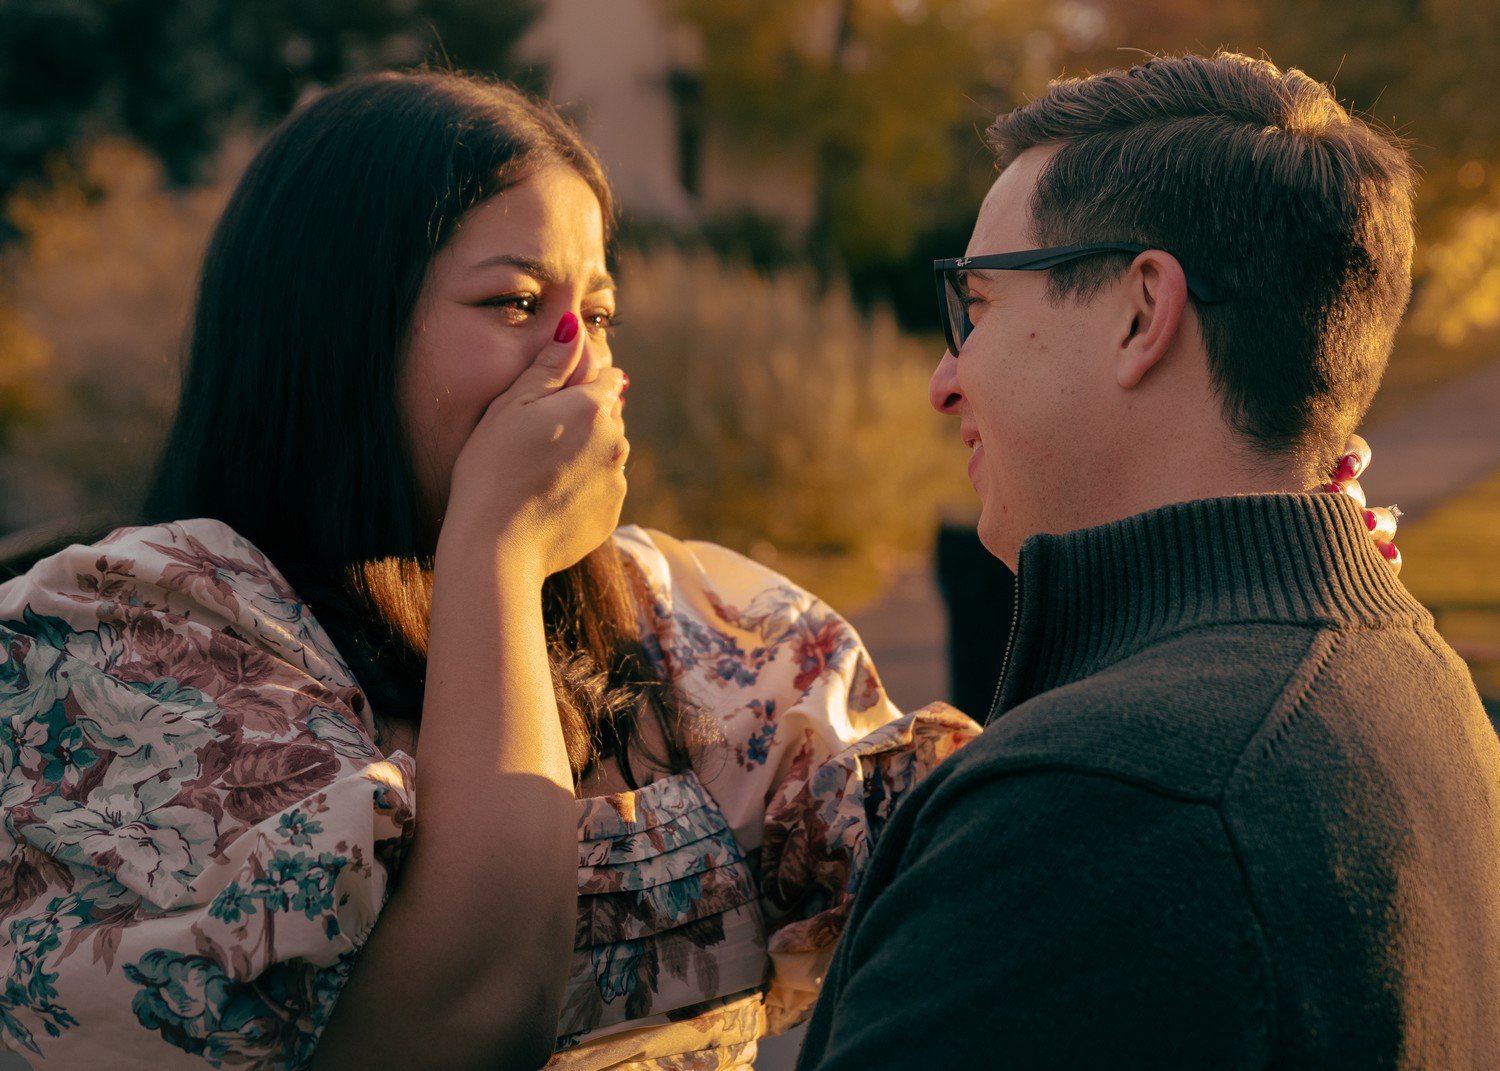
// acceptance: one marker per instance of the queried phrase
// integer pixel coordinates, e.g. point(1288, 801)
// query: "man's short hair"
point(1259, 181)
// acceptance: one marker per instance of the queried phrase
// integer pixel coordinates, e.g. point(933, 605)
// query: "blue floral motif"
point(199, 1009)
point(615, 968)
point(66, 755)
point(13, 676)
point(47, 630)
point(758, 747)
point(292, 883)
point(675, 898)
point(728, 659)
point(50, 744)
point(232, 903)
point(298, 827)
point(765, 709)
point(877, 801)
point(30, 985)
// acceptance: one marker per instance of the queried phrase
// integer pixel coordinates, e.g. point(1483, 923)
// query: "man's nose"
point(942, 390)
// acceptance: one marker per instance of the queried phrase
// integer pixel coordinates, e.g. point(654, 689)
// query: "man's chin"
point(999, 540)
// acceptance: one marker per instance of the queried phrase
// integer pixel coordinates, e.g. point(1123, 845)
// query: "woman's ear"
point(1155, 298)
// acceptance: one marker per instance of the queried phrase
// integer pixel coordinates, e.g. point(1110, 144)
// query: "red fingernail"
point(567, 328)
point(1332, 488)
point(1370, 520)
point(1346, 467)
point(1389, 550)
point(624, 381)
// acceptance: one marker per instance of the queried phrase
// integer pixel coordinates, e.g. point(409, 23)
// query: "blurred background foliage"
point(176, 75)
point(786, 362)
point(781, 418)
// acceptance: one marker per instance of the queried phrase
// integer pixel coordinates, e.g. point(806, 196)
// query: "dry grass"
point(98, 295)
point(1423, 362)
point(1451, 555)
point(781, 421)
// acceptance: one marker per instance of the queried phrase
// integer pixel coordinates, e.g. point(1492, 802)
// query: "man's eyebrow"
point(543, 270)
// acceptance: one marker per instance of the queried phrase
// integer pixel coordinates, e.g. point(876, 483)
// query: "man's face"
point(1023, 387)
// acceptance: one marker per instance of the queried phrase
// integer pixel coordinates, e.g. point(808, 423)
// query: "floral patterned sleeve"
point(812, 755)
point(198, 831)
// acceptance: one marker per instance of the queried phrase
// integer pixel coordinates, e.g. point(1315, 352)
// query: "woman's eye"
point(519, 306)
point(600, 320)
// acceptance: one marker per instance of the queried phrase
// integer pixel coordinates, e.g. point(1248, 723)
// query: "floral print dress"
point(199, 831)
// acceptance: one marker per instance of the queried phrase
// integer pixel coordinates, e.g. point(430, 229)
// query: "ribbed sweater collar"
point(1090, 598)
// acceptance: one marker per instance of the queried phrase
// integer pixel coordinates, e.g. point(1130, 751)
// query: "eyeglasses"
point(951, 300)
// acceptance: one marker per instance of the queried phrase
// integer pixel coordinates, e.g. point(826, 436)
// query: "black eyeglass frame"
point(1032, 260)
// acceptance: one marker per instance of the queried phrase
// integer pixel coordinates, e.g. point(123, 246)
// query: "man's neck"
point(1138, 481)
point(1208, 462)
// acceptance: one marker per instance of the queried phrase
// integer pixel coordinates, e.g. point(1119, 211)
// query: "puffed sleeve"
point(810, 754)
point(198, 832)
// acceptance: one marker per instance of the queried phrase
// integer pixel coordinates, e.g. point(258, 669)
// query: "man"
point(1237, 805)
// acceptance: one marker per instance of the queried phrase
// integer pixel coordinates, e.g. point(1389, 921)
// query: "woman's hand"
point(479, 929)
point(542, 477)
point(1380, 521)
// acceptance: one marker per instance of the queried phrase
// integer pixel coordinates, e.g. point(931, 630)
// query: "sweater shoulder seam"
point(1267, 1012)
point(1284, 712)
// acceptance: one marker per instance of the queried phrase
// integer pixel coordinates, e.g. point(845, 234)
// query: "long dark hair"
point(289, 428)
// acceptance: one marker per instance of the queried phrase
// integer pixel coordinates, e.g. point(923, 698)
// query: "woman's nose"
point(942, 390)
point(596, 358)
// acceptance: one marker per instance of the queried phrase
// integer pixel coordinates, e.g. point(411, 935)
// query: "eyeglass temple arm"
point(1195, 284)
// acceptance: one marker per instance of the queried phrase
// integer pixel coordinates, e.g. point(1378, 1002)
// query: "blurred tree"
point(1429, 70)
point(885, 100)
point(175, 74)
point(22, 356)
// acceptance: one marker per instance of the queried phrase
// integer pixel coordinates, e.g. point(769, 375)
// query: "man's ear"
point(1155, 297)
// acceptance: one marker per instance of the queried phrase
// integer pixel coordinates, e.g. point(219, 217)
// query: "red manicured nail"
point(1389, 550)
point(567, 328)
point(1346, 467)
point(624, 381)
point(1370, 520)
point(1332, 488)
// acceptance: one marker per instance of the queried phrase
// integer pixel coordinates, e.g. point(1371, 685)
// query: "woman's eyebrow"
point(546, 271)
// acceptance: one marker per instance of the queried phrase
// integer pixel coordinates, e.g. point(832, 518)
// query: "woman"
point(382, 525)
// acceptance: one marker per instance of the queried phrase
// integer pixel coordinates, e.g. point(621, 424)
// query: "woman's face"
point(492, 299)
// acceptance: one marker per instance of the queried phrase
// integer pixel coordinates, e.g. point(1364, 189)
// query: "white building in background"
point(629, 75)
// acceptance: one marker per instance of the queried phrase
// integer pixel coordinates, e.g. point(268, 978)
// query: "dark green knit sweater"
point(1238, 807)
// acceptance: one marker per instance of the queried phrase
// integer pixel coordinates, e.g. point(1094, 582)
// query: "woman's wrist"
point(473, 552)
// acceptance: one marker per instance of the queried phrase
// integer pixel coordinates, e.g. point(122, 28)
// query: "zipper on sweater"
point(1010, 644)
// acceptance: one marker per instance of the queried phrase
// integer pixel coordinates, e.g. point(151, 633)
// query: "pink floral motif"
point(205, 574)
point(108, 581)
